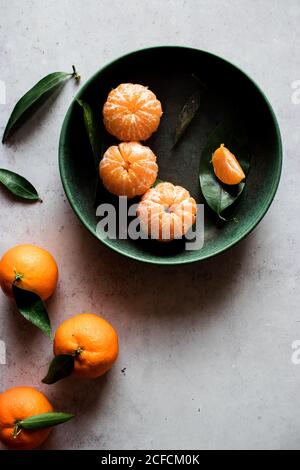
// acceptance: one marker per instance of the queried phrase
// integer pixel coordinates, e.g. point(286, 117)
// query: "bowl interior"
point(170, 73)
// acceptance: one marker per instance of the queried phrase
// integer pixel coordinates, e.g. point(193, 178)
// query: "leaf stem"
point(75, 74)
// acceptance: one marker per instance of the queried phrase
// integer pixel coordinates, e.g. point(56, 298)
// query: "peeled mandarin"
point(132, 112)
point(128, 169)
point(226, 167)
point(166, 212)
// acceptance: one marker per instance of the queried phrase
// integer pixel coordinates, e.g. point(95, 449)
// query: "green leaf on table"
point(61, 366)
point(219, 196)
point(35, 97)
point(18, 185)
point(44, 420)
point(32, 307)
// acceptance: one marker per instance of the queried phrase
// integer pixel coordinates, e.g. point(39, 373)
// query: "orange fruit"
point(131, 112)
point(31, 268)
point(128, 169)
point(19, 403)
point(167, 212)
point(226, 167)
point(92, 340)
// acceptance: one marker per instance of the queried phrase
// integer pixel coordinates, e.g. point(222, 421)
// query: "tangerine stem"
point(18, 276)
point(17, 429)
point(78, 351)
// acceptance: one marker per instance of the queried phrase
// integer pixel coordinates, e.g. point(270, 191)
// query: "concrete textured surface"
point(207, 347)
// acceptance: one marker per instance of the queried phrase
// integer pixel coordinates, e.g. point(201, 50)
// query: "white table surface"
point(207, 347)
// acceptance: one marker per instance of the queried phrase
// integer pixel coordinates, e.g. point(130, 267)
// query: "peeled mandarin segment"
point(128, 169)
point(131, 112)
point(226, 167)
point(166, 212)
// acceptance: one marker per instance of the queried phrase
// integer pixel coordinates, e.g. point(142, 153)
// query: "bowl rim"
point(169, 261)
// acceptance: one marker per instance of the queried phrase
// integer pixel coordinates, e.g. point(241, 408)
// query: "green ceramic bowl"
point(168, 71)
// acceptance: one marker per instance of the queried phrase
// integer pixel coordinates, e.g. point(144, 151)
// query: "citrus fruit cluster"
point(131, 114)
point(86, 345)
point(87, 342)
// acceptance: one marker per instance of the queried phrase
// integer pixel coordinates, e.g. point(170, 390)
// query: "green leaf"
point(18, 185)
point(96, 138)
point(156, 182)
point(93, 130)
point(189, 111)
point(32, 307)
point(33, 99)
point(61, 366)
point(45, 420)
point(219, 196)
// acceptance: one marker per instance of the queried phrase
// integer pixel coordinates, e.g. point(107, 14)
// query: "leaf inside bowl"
point(231, 133)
